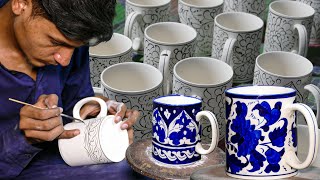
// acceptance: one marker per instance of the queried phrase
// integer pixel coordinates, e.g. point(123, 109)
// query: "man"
point(44, 61)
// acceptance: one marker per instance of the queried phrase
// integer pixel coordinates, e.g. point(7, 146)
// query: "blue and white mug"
point(261, 132)
point(177, 130)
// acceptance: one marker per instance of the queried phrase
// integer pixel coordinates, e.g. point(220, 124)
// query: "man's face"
point(41, 42)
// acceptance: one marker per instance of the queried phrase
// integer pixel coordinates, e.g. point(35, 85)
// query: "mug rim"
point(202, 7)
point(148, 6)
point(290, 92)
point(114, 54)
point(176, 105)
point(292, 2)
point(194, 32)
point(201, 85)
point(238, 31)
point(136, 92)
point(258, 59)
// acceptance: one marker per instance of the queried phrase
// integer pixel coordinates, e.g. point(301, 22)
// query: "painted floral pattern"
point(255, 7)
point(256, 137)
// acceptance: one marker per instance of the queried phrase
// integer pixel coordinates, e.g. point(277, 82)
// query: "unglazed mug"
point(100, 140)
point(288, 27)
point(142, 13)
point(287, 69)
point(261, 138)
point(200, 15)
point(168, 42)
point(315, 31)
point(237, 38)
point(205, 78)
point(255, 7)
point(176, 130)
point(136, 85)
point(118, 49)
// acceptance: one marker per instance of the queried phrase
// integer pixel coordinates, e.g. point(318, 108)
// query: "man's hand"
point(41, 125)
point(114, 108)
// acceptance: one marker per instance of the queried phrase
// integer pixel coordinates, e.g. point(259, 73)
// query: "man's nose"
point(63, 56)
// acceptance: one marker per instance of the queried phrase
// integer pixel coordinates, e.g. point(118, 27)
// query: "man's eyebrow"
point(61, 43)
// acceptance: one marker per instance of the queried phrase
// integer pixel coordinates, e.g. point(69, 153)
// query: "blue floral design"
point(273, 158)
point(270, 115)
point(294, 135)
point(278, 135)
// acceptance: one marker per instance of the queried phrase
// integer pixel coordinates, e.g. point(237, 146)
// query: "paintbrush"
point(63, 115)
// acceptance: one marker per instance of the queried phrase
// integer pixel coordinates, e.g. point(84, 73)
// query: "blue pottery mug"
point(261, 132)
point(176, 130)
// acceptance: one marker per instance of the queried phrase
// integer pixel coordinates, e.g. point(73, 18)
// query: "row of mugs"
point(237, 38)
point(137, 84)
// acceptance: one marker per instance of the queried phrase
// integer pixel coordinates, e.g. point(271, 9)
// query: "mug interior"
point(291, 9)
point(144, 3)
point(201, 71)
point(202, 3)
point(131, 77)
point(261, 92)
point(170, 33)
point(177, 100)
point(284, 64)
point(118, 44)
point(238, 22)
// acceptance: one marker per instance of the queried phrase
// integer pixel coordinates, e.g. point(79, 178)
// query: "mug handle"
point(290, 156)
point(227, 51)
point(79, 104)
point(130, 20)
point(215, 132)
point(315, 91)
point(301, 46)
point(163, 67)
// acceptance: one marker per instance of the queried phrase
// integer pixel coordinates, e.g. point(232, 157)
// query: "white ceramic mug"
point(118, 49)
point(315, 31)
point(289, 70)
point(200, 15)
point(261, 137)
point(255, 7)
point(288, 27)
point(136, 85)
point(168, 42)
point(206, 78)
point(237, 38)
point(100, 140)
point(142, 13)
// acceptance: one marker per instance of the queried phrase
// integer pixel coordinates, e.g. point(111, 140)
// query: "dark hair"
point(88, 21)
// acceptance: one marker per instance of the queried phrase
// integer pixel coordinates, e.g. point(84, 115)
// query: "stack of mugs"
point(215, 46)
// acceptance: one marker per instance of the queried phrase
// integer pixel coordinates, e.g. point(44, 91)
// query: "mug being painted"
point(100, 140)
point(176, 130)
point(261, 138)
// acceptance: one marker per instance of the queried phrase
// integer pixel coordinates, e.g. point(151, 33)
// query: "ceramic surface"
point(176, 130)
point(261, 137)
point(255, 7)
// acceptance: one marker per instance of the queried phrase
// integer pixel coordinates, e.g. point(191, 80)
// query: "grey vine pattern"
point(255, 7)
point(152, 53)
point(142, 102)
point(245, 51)
point(262, 78)
point(98, 64)
point(149, 16)
point(315, 32)
point(92, 141)
point(280, 33)
point(212, 100)
point(202, 20)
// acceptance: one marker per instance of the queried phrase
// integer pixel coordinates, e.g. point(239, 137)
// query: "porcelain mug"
point(289, 70)
point(315, 31)
point(176, 130)
point(237, 38)
point(136, 85)
point(118, 49)
point(205, 78)
point(255, 7)
point(261, 138)
point(142, 13)
point(200, 15)
point(100, 140)
point(168, 42)
point(288, 27)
